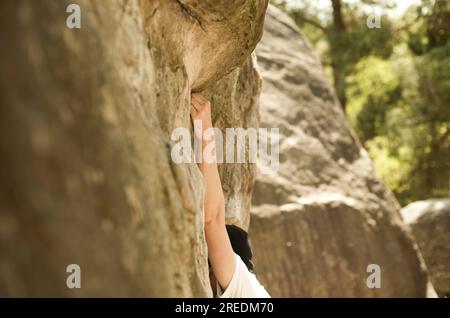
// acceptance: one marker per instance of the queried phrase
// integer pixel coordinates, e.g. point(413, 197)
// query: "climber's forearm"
point(220, 251)
point(214, 199)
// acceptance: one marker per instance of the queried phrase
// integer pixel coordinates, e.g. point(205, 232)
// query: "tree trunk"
point(338, 68)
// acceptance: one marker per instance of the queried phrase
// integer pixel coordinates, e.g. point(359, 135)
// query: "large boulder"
point(86, 117)
point(324, 216)
point(430, 224)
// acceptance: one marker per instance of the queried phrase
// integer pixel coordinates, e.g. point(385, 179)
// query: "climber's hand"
point(201, 111)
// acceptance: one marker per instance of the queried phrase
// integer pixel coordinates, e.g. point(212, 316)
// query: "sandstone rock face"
point(85, 122)
point(324, 217)
point(430, 224)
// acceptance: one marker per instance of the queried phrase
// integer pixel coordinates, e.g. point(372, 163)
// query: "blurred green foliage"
point(394, 84)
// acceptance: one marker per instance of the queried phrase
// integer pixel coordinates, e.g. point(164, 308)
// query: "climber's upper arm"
point(220, 252)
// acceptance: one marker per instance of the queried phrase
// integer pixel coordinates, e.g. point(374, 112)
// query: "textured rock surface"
point(430, 224)
point(85, 120)
point(324, 217)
